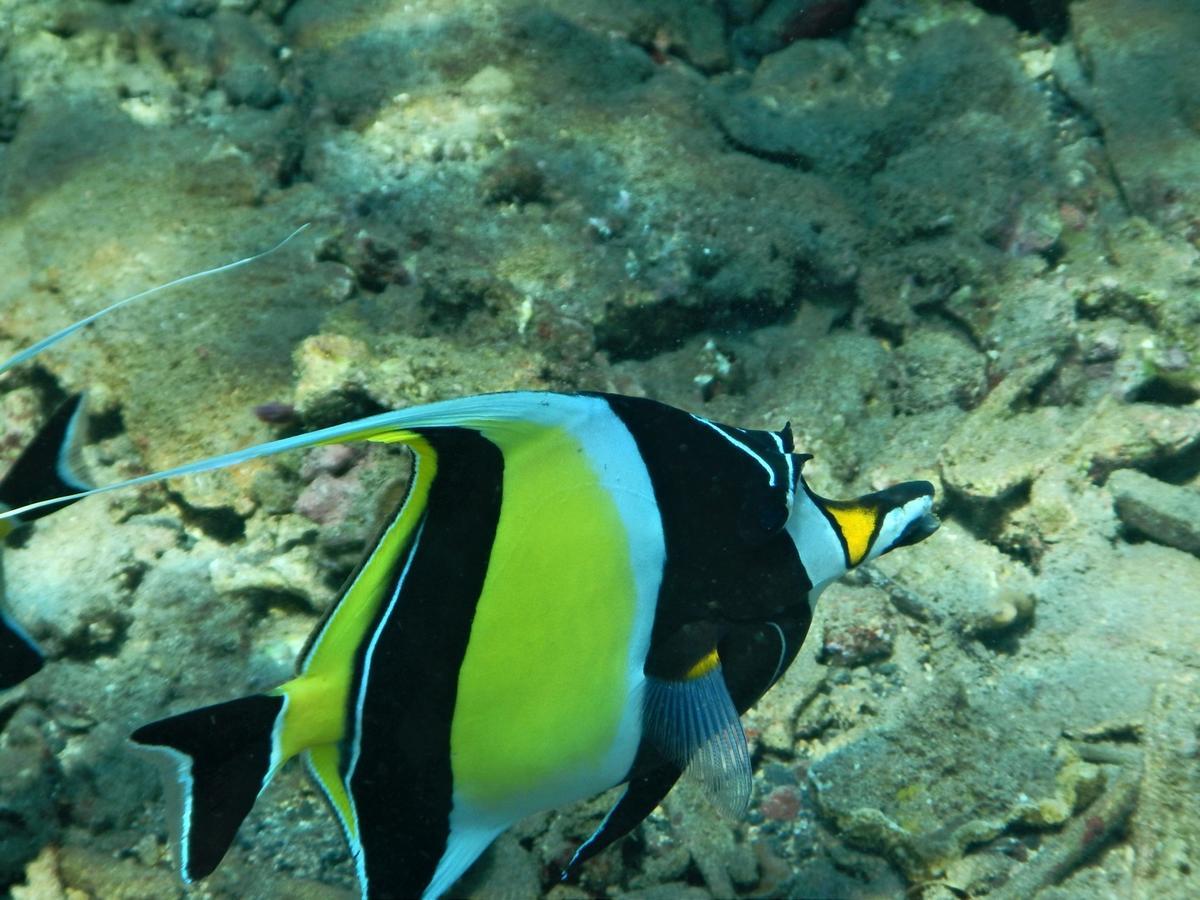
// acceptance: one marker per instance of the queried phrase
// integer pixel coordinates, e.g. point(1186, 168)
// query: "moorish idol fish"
point(578, 591)
point(47, 469)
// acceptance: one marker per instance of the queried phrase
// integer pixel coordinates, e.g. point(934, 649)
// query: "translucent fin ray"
point(695, 725)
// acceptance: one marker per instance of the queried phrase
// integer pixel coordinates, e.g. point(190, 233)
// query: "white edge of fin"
point(176, 769)
point(70, 455)
point(353, 843)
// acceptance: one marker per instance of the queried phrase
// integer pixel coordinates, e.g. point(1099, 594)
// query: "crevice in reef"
point(103, 635)
point(6, 714)
point(1166, 391)
point(1181, 468)
point(985, 518)
point(221, 523)
point(1051, 18)
point(788, 159)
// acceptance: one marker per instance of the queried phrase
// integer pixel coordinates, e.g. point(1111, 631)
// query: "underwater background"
point(949, 240)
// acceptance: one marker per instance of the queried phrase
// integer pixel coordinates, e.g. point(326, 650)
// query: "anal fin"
point(642, 794)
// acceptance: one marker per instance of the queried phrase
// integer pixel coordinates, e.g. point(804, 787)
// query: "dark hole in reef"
point(1008, 641)
point(339, 563)
point(640, 333)
point(1166, 391)
point(262, 602)
point(18, 538)
point(6, 714)
point(1053, 254)
point(1050, 17)
point(62, 28)
point(12, 820)
point(291, 169)
point(985, 518)
point(1181, 468)
point(105, 424)
point(103, 635)
point(886, 331)
point(220, 523)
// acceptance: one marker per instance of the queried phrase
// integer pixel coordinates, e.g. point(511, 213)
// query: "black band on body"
point(713, 574)
point(402, 783)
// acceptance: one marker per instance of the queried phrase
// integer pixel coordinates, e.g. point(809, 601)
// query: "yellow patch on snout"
point(857, 524)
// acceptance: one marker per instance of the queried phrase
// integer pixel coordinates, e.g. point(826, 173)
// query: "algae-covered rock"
point(28, 770)
point(1142, 92)
point(1163, 512)
point(975, 588)
point(888, 791)
point(999, 450)
point(1139, 436)
point(1166, 825)
point(935, 370)
point(340, 378)
point(859, 114)
point(1147, 280)
point(858, 629)
point(725, 863)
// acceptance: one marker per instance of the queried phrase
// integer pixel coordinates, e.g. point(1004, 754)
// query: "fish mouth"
point(918, 529)
point(915, 500)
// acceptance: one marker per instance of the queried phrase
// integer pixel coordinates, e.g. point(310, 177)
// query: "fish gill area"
point(946, 240)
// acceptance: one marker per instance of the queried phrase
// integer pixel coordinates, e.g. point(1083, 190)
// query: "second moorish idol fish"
point(47, 468)
point(578, 591)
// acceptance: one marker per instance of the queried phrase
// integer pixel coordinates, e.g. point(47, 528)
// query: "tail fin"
point(47, 467)
point(216, 761)
point(19, 655)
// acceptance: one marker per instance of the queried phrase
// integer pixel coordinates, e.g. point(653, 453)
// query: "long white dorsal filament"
point(34, 349)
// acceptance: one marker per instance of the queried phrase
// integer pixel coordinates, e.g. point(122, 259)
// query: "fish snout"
point(908, 517)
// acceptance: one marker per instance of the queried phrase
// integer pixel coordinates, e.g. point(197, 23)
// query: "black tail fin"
point(19, 655)
point(46, 467)
point(216, 760)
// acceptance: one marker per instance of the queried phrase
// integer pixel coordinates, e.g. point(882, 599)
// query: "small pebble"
point(327, 500)
point(333, 460)
point(782, 804)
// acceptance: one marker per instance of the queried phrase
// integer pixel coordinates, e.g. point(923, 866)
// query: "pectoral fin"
point(694, 724)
